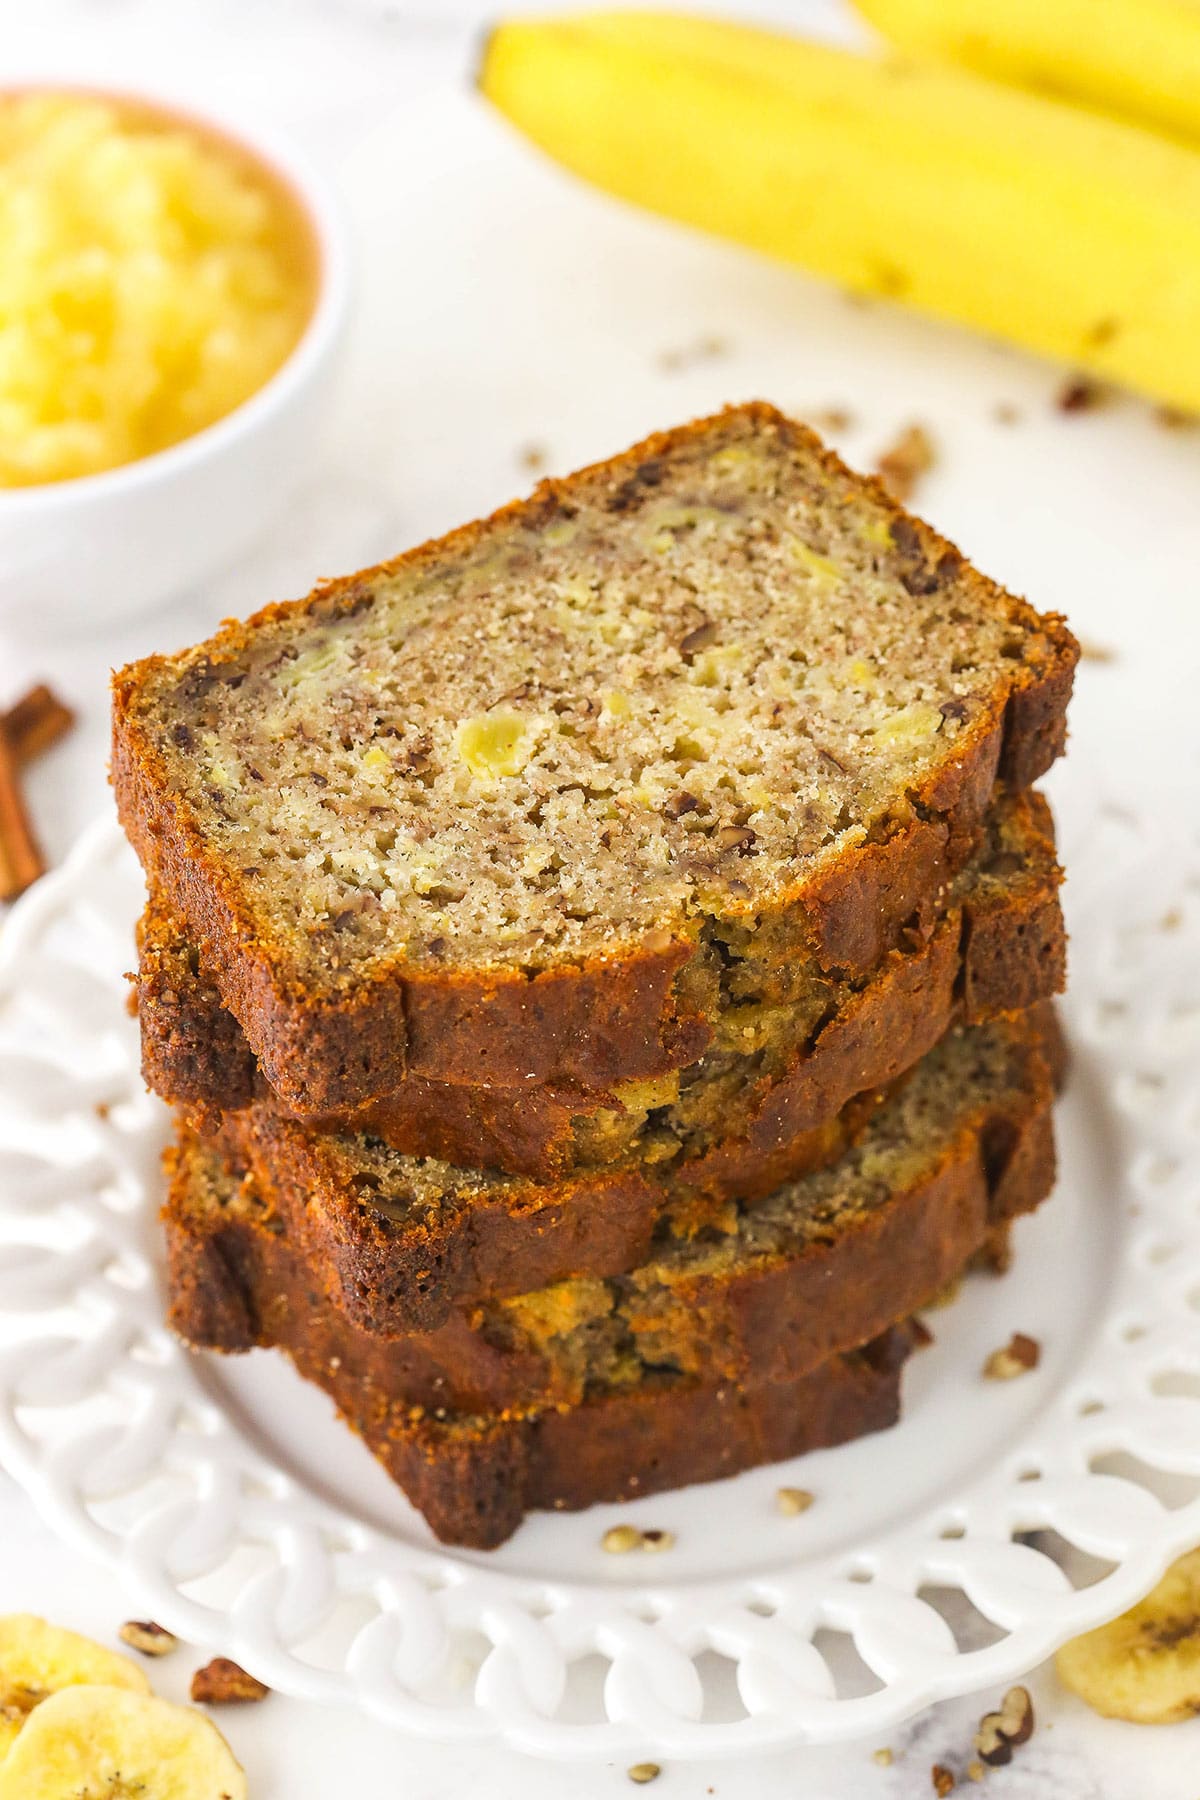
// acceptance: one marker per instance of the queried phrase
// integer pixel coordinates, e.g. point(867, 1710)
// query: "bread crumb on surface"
point(830, 418)
point(942, 1779)
point(644, 1772)
point(792, 1501)
point(901, 467)
point(685, 356)
point(533, 458)
point(885, 1756)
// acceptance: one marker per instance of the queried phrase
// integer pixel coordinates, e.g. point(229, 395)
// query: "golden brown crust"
point(474, 1479)
point(999, 948)
point(399, 1274)
point(599, 1020)
point(241, 1275)
point(475, 1488)
point(396, 1272)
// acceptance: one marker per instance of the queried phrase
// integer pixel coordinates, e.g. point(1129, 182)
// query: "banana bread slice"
point(535, 801)
point(405, 1239)
point(780, 1071)
point(769, 1291)
point(474, 1477)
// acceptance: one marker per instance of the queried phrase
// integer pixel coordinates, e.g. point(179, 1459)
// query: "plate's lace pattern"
point(104, 1419)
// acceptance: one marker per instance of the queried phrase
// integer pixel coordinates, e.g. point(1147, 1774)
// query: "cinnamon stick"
point(37, 721)
point(21, 860)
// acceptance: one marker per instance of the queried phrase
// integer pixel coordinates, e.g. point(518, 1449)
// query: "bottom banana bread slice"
point(768, 1291)
point(475, 1476)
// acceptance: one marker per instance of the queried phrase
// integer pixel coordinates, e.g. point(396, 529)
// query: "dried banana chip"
point(37, 1659)
point(1144, 1666)
point(106, 1743)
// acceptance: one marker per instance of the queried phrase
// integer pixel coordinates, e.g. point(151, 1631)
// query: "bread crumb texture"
point(649, 697)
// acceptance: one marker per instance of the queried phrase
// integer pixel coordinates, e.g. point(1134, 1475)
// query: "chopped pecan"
point(1000, 1732)
point(149, 1638)
point(221, 1683)
point(1018, 1357)
point(647, 475)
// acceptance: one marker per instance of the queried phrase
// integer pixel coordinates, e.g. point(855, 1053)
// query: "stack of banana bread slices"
point(601, 964)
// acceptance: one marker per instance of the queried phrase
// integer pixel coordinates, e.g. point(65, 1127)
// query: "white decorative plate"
point(951, 1553)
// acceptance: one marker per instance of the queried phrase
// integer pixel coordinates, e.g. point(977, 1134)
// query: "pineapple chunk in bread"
point(524, 803)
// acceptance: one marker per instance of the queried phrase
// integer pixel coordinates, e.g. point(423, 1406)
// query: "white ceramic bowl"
point(76, 553)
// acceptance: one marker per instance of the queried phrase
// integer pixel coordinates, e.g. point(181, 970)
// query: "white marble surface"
point(499, 308)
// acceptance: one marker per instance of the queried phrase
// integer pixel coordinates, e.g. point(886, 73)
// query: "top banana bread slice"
point(528, 802)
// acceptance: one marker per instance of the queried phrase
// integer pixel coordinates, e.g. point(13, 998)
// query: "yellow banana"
point(105, 1743)
point(1137, 58)
point(1074, 235)
point(37, 1659)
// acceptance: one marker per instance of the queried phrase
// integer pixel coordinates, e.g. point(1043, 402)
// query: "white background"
point(501, 307)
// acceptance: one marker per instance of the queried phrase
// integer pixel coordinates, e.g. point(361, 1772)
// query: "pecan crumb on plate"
point(222, 1682)
point(149, 1638)
point(1000, 1732)
point(1018, 1357)
point(618, 1540)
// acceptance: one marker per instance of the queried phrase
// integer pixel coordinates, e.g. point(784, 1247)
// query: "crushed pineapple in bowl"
point(171, 298)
